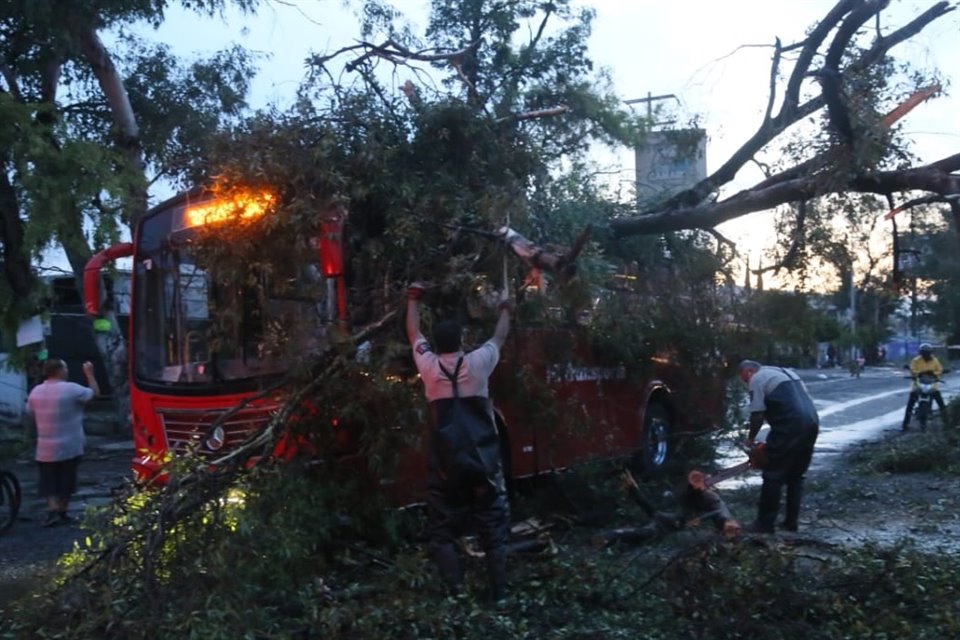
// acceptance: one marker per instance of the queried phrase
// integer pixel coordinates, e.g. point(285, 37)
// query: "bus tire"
point(656, 446)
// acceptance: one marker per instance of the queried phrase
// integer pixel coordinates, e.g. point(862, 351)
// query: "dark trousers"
point(456, 503)
point(786, 466)
point(912, 401)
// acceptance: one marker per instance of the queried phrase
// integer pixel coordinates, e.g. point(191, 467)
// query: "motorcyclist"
point(924, 362)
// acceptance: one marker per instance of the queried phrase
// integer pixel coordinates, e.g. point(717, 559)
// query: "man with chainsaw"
point(779, 398)
point(465, 477)
point(924, 362)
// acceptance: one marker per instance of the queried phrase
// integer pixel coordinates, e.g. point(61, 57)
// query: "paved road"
point(852, 410)
point(866, 408)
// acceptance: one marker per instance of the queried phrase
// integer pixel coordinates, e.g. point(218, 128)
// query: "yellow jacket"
point(918, 365)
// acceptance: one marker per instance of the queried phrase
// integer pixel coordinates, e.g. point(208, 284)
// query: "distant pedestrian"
point(779, 397)
point(856, 366)
point(56, 406)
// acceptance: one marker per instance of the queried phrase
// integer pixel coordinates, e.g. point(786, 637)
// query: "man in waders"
point(465, 476)
point(779, 397)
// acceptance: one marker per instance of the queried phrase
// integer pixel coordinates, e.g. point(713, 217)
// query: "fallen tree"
point(859, 144)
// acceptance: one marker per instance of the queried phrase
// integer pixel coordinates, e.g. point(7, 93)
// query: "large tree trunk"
point(111, 344)
point(111, 83)
point(16, 264)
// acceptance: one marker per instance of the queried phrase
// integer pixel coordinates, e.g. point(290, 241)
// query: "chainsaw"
point(755, 460)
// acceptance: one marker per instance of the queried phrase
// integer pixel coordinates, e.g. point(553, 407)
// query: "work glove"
point(415, 290)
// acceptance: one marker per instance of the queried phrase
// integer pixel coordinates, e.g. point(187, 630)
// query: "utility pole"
point(913, 277)
point(853, 311)
point(649, 100)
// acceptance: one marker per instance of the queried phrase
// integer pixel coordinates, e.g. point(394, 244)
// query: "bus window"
point(197, 328)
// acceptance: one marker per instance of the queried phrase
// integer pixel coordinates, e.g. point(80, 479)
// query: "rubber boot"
point(497, 574)
point(794, 496)
point(768, 507)
point(908, 414)
point(447, 559)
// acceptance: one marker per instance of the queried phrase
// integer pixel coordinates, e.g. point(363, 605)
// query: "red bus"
point(178, 389)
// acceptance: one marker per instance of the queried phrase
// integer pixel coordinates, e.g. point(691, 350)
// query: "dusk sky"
point(690, 48)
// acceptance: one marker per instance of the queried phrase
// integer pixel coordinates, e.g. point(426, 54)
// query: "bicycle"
point(10, 497)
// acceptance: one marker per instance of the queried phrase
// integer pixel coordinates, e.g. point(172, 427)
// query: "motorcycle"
point(926, 386)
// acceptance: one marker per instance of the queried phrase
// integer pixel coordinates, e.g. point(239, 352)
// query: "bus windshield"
point(191, 329)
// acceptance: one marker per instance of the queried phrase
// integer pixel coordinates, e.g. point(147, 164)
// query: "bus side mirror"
point(91, 274)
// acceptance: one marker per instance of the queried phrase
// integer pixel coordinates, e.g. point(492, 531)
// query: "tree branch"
point(722, 239)
point(392, 50)
point(790, 112)
point(795, 243)
point(111, 84)
point(688, 208)
point(791, 97)
point(774, 70)
point(830, 76)
point(530, 115)
point(513, 77)
point(935, 178)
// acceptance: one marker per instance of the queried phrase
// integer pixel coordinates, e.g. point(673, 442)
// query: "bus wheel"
point(655, 446)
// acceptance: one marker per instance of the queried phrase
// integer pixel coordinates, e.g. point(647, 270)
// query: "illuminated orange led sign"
point(242, 206)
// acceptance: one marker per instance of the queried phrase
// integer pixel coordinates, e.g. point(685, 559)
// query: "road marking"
point(842, 406)
point(832, 408)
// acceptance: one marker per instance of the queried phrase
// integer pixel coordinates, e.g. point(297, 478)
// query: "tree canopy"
point(88, 124)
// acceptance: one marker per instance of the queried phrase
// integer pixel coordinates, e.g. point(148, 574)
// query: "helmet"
point(925, 348)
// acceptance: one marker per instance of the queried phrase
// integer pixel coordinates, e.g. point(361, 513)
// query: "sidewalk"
point(841, 373)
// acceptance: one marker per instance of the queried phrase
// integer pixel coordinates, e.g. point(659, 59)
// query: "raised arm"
point(503, 323)
point(414, 293)
point(91, 379)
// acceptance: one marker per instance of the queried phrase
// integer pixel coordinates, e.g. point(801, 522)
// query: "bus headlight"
point(216, 439)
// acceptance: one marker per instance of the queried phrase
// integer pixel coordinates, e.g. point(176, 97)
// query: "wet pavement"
point(28, 551)
point(852, 411)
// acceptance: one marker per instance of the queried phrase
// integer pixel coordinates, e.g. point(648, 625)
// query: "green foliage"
point(694, 587)
point(242, 558)
point(931, 451)
point(182, 106)
point(934, 233)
